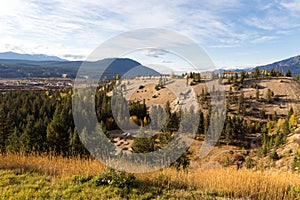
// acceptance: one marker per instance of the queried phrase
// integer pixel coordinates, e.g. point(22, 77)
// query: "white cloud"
point(74, 29)
point(88, 23)
point(263, 39)
point(272, 22)
point(166, 61)
point(275, 16)
point(73, 57)
point(154, 52)
point(291, 5)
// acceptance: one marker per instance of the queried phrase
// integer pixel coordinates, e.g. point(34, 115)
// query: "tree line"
point(39, 122)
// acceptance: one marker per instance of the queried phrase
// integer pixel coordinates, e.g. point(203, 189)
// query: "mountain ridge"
point(292, 64)
point(55, 69)
point(31, 57)
point(12, 58)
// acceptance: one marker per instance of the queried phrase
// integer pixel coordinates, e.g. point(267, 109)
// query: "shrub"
point(262, 114)
point(254, 85)
point(81, 179)
point(143, 145)
point(183, 162)
point(157, 87)
point(115, 178)
point(162, 180)
point(226, 160)
point(296, 163)
point(274, 155)
point(249, 162)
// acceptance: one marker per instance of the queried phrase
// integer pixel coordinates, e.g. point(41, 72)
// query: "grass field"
point(42, 177)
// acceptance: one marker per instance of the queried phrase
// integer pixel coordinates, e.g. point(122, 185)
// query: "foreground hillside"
point(61, 178)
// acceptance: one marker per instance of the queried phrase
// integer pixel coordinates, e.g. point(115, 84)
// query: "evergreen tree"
point(256, 73)
point(142, 144)
point(38, 136)
point(240, 103)
point(269, 96)
point(13, 141)
point(272, 73)
point(230, 98)
point(257, 93)
point(58, 131)
point(207, 122)
point(168, 121)
point(76, 147)
point(25, 145)
point(243, 76)
point(228, 132)
point(286, 127)
point(201, 126)
point(288, 73)
point(5, 129)
point(291, 112)
point(235, 78)
point(244, 109)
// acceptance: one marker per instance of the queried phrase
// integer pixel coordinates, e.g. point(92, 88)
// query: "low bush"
point(81, 179)
point(115, 178)
point(296, 163)
point(274, 155)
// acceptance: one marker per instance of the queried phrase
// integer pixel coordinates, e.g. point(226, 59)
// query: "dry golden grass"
point(51, 165)
point(226, 182)
point(245, 184)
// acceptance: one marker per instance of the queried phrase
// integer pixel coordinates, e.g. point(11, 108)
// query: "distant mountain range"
point(32, 57)
point(15, 65)
point(55, 69)
point(292, 64)
point(217, 71)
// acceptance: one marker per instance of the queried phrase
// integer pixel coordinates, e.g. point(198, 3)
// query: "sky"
point(234, 33)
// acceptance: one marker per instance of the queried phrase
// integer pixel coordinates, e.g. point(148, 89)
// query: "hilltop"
point(264, 102)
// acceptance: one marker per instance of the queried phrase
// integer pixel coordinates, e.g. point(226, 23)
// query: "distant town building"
point(206, 76)
point(229, 74)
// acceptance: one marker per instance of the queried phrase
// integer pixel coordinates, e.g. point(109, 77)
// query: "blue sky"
point(234, 33)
